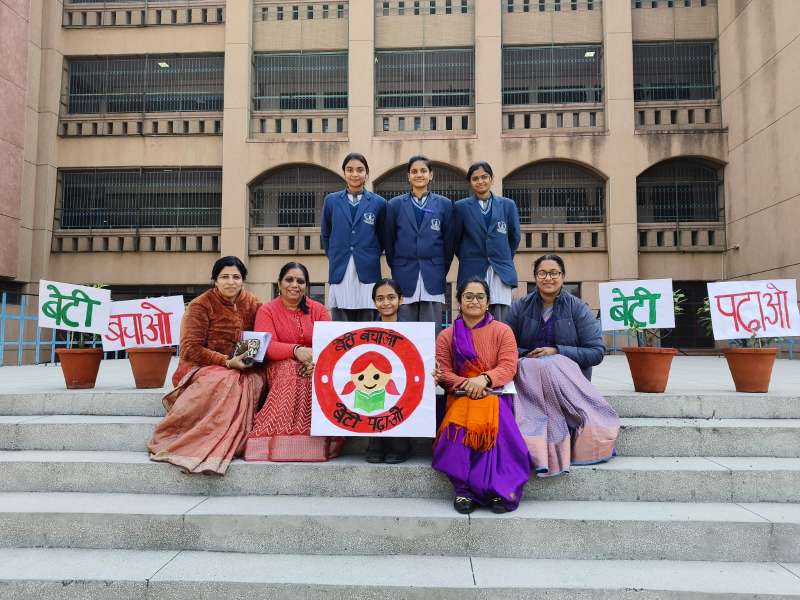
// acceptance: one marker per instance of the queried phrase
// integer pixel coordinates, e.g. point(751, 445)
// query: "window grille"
point(552, 74)
point(674, 71)
point(291, 196)
point(386, 8)
point(182, 83)
point(139, 198)
point(679, 190)
point(300, 81)
point(556, 192)
point(424, 78)
point(447, 181)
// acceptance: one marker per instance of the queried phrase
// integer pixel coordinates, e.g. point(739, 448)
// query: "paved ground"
point(689, 375)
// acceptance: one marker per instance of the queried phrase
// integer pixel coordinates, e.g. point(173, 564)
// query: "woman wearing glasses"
point(562, 416)
point(486, 232)
point(479, 446)
point(282, 429)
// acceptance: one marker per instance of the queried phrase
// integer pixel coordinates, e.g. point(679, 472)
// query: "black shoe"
point(464, 505)
point(399, 449)
point(375, 453)
point(497, 505)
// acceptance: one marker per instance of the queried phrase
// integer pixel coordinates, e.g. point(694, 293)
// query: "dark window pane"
point(674, 71)
point(291, 196)
point(307, 81)
point(679, 190)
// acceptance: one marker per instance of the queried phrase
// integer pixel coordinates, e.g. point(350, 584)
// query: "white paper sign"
point(73, 307)
point(373, 379)
point(146, 323)
point(647, 303)
point(745, 309)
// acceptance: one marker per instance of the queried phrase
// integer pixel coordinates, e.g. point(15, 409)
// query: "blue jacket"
point(427, 248)
point(478, 247)
point(577, 332)
point(362, 239)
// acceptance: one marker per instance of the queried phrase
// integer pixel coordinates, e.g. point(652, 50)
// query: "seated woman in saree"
point(563, 418)
point(479, 446)
point(210, 411)
point(387, 297)
point(282, 428)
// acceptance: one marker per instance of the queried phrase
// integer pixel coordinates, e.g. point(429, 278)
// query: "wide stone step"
point(148, 404)
point(45, 574)
point(639, 437)
point(746, 532)
point(625, 478)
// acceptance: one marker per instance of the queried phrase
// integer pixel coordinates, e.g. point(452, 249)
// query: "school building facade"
point(142, 139)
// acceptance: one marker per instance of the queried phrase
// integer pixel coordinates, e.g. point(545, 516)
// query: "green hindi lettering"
point(58, 308)
point(625, 306)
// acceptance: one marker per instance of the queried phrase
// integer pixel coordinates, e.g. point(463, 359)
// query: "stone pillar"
point(622, 237)
point(236, 123)
point(361, 75)
point(488, 87)
point(13, 84)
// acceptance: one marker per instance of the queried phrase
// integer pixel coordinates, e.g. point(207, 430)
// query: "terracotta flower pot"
point(751, 368)
point(149, 366)
point(80, 366)
point(649, 367)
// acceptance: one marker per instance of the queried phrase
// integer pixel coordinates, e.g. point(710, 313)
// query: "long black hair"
point(296, 265)
point(228, 261)
point(356, 156)
point(386, 281)
point(481, 164)
point(474, 279)
point(554, 257)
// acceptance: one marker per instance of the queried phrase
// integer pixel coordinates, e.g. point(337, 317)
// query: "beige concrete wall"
point(616, 150)
point(14, 15)
point(760, 81)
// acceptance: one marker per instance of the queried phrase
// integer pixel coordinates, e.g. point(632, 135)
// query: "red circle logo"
point(372, 368)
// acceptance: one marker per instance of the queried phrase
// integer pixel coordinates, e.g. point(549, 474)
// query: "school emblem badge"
point(502, 227)
point(369, 218)
point(436, 224)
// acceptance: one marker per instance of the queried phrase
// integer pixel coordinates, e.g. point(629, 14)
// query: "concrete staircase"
point(703, 502)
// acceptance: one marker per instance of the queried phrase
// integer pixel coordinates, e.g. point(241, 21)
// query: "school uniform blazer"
point(425, 248)
point(361, 238)
point(477, 246)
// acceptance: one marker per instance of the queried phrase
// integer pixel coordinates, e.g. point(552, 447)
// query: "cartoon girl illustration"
point(371, 378)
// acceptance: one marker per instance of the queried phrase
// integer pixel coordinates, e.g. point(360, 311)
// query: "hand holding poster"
point(643, 304)
point(73, 307)
point(373, 379)
point(745, 309)
point(148, 323)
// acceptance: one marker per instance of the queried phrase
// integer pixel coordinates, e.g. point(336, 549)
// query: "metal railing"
point(679, 190)
point(426, 78)
point(144, 84)
point(314, 81)
point(552, 74)
point(674, 71)
point(139, 198)
point(556, 192)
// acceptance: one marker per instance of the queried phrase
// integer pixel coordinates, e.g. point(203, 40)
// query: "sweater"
point(289, 328)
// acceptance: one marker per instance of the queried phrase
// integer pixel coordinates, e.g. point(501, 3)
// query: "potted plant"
point(80, 362)
point(648, 362)
point(150, 365)
point(750, 361)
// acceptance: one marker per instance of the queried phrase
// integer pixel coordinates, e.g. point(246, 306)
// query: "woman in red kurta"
point(210, 411)
point(281, 431)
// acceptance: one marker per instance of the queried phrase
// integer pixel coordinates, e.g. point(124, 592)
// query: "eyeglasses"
point(470, 297)
point(551, 274)
point(299, 280)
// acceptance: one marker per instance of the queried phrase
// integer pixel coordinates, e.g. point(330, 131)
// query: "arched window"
point(447, 181)
point(291, 196)
point(679, 190)
point(556, 192)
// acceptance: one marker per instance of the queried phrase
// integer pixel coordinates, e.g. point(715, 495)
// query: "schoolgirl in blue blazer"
point(352, 236)
point(487, 235)
point(419, 244)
